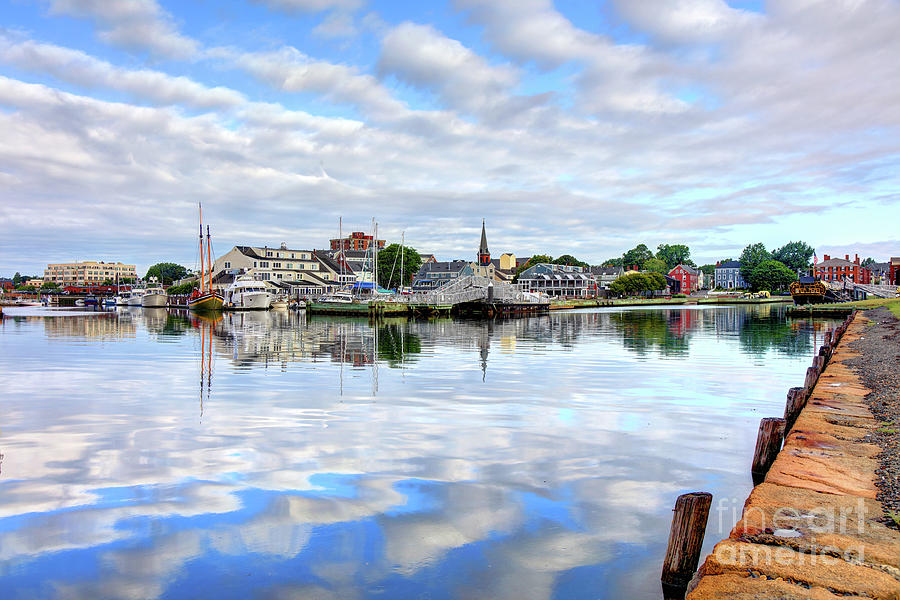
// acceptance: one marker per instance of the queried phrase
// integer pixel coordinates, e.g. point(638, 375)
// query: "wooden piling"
point(768, 443)
point(810, 382)
point(818, 363)
point(685, 541)
point(795, 403)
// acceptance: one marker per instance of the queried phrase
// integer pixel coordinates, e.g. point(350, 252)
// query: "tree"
point(635, 283)
point(637, 256)
point(795, 256)
point(184, 288)
point(17, 278)
point(674, 255)
point(568, 259)
point(867, 262)
point(166, 272)
point(656, 265)
point(771, 275)
point(753, 256)
point(613, 262)
point(389, 260)
point(708, 270)
point(49, 285)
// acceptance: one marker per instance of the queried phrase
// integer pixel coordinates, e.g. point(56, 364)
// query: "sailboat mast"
point(202, 281)
point(209, 259)
point(402, 276)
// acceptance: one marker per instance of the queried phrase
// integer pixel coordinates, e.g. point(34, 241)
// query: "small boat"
point(91, 301)
point(280, 303)
point(248, 294)
point(205, 299)
point(135, 297)
point(154, 297)
point(79, 302)
point(337, 298)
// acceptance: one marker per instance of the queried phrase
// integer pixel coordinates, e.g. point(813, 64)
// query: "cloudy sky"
point(570, 126)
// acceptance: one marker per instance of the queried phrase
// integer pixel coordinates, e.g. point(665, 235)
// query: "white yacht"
point(133, 297)
point(248, 294)
point(154, 297)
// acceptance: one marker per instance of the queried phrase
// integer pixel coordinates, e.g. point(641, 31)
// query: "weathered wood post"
point(795, 402)
point(685, 541)
point(768, 443)
point(810, 382)
point(818, 363)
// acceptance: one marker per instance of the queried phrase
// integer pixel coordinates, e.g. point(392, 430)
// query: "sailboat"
point(205, 299)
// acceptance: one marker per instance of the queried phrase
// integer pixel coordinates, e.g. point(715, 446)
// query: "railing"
point(473, 288)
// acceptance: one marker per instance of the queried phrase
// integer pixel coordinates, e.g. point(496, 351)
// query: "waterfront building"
point(894, 271)
point(433, 275)
point(836, 269)
point(606, 275)
point(357, 240)
point(688, 276)
point(88, 272)
point(303, 272)
point(728, 275)
point(565, 281)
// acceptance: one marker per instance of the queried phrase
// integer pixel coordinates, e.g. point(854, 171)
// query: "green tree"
point(184, 288)
point(794, 255)
point(674, 255)
point(50, 285)
point(635, 283)
point(708, 270)
point(753, 256)
point(568, 259)
point(17, 278)
point(657, 265)
point(389, 260)
point(868, 262)
point(613, 262)
point(771, 275)
point(166, 272)
point(638, 255)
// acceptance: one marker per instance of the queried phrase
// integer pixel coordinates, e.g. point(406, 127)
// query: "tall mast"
point(209, 259)
point(202, 281)
point(374, 256)
point(402, 276)
point(341, 256)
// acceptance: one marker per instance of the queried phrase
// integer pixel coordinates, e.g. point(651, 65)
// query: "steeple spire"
point(484, 255)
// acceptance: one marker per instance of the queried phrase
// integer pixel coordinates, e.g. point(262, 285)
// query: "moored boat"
point(205, 299)
point(154, 297)
point(808, 290)
point(247, 294)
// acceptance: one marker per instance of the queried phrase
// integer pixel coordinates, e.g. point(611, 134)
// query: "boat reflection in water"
point(534, 458)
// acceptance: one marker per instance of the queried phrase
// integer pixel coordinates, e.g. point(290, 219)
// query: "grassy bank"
point(844, 308)
point(892, 304)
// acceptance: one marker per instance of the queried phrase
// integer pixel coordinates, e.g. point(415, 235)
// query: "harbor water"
point(154, 454)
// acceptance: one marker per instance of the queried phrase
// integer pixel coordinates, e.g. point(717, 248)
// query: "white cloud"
point(134, 24)
point(81, 69)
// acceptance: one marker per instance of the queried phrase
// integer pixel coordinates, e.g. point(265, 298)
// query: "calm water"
point(153, 455)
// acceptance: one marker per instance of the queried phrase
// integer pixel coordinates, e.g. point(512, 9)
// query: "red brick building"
point(355, 241)
point(895, 270)
point(688, 276)
point(835, 269)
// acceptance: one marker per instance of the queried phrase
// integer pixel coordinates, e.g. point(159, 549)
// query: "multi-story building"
point(558, 280)
point(688, 276)
point(894, 272)
point(836, 269)
point(86, 273)
point(728, 275)
point(305, 272)
point(606, 275)
point(356, 241)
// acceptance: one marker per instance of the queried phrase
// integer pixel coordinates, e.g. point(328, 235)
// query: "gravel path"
point(879, 368)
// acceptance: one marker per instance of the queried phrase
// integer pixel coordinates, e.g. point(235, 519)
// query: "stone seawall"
point(813, 528)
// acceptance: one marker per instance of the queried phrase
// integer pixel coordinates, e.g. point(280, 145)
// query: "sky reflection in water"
point(270, 455)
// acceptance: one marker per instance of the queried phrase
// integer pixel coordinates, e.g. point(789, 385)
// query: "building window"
point(264, 265)
point(227, 265)
point(276, 265)
point(268, 253)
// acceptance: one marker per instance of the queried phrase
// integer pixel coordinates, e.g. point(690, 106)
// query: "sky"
point(570, 127)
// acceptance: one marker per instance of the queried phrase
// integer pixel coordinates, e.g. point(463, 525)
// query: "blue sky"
point(572, 127)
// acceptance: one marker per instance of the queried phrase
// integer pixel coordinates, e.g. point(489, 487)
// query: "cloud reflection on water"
point(514, 459)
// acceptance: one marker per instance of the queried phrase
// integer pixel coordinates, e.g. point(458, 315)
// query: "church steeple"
point(484, 255)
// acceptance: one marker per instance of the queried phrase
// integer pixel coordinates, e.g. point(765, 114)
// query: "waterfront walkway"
point(819, 526)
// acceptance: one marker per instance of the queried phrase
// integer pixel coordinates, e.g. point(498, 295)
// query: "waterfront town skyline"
point(708, 123)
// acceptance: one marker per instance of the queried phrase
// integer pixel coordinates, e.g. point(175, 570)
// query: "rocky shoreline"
point(878, 367)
